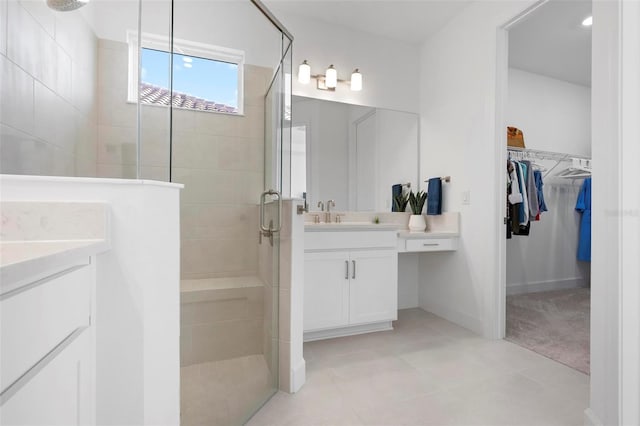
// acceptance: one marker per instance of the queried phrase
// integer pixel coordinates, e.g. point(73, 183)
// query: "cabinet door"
point(326, 290)
point(374, 286)
point(61, 393)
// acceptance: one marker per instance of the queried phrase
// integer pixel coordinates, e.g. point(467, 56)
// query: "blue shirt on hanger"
point(583, 205)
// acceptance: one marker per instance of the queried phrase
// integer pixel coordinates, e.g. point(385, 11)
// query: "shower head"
point(66, 5)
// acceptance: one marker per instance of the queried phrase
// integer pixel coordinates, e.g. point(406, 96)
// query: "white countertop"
point(416, 235)
point(365, 226)
point(350, 226)
point(23, 259)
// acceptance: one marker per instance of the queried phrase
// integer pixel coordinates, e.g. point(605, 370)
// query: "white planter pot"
point(417, 223)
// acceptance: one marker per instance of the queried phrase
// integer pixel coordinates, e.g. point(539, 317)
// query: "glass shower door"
point(226, 109)
point(277, 137)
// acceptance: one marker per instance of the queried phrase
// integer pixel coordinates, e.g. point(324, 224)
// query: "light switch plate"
point(466, 197)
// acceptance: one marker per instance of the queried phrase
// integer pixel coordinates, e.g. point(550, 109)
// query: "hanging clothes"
point(532, 193)
point(522, 182)
point(542, 207)
point(513, 197)
point(583, 205)
point(517, 197)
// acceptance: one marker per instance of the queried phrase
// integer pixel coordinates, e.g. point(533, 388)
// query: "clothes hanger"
point(580, 168)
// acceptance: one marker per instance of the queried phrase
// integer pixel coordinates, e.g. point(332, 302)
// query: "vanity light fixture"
point(304, 72)
point(331, 77)
point(329, 80)
point(356, 80)
point(588, 21)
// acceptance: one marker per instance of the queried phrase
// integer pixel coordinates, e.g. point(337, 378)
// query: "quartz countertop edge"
point(418, 235)
point(22, 260)
point(363, 226)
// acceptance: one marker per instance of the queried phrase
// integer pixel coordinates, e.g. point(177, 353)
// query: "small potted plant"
point(400, 202)
point(416, 221)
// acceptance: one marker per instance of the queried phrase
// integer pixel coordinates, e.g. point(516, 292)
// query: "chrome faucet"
point(321, 206)
point(327, 217)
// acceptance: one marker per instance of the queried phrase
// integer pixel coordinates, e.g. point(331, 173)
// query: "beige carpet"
point(552, 323)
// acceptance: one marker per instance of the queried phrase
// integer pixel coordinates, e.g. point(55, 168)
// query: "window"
point(205, 77)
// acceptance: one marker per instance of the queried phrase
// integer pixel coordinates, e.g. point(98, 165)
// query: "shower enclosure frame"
point(276, 143)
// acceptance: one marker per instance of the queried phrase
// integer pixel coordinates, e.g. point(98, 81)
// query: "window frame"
point(187, 48)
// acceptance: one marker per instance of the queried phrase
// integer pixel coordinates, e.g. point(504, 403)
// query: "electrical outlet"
point(466, 197)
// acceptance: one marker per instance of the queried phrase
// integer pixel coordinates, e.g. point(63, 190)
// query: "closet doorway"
point(547, 251)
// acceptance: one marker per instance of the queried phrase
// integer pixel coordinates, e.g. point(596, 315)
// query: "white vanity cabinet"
point(47, 349)
point(351, 282)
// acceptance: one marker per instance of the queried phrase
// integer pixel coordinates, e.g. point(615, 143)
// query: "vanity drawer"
point(341, 240)
point(431, 244)
point(39, 316)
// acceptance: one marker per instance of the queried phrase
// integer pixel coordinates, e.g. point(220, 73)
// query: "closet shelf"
point(577, 170)
point(546, 155)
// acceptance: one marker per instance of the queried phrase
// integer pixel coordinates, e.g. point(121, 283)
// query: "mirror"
point(351, 154)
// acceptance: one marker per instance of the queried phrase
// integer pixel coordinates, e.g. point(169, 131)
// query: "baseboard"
point(456, 317)
point(590, 418)
point(550, 285)
point(298, 376)
point(408, 305)
point(310, 336)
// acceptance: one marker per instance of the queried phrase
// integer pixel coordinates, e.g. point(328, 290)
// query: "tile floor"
point(428, 371)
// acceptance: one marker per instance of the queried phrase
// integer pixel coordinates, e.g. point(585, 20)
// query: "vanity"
point(89, 301)
point(351, 270)
point(352, 278)
point(48, 276)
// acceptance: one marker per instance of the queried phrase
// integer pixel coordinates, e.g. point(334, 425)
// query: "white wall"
point(233, 24)
point(389, 68)
point(48, 64)
point(457, 93)
point(555, 116)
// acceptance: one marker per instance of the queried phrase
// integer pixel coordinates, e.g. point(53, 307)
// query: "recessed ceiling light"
point(587, 21)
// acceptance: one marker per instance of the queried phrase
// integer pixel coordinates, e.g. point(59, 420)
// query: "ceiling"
point(552, 41)
point(408, 21)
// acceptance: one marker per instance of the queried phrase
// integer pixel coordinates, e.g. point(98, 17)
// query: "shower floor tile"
point(223, 392)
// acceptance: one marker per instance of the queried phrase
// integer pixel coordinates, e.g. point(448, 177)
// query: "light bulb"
point(356, 80)
point(331, 77)
point(587, 21)
point(304, 72)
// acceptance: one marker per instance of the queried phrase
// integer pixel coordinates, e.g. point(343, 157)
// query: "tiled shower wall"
point(64, 111)
point(117, 122)
point(48, 75)
point(219, 158)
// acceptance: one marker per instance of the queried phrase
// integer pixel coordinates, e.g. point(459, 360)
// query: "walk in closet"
point(548, 196)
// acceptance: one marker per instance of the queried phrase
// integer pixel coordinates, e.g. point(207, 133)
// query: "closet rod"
point(547, 155)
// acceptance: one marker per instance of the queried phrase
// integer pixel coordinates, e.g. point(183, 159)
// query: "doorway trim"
point(498, 303)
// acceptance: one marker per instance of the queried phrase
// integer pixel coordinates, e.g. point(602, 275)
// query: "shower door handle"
point(269, 230)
